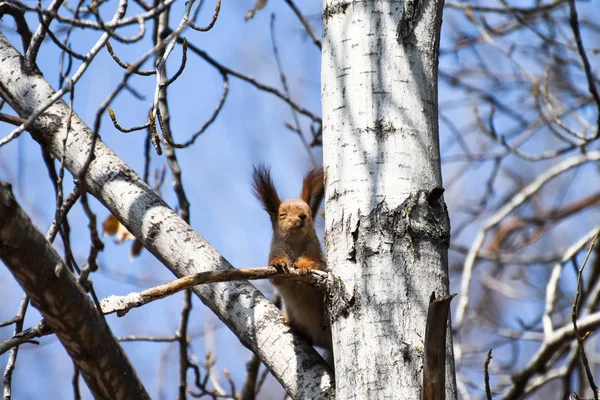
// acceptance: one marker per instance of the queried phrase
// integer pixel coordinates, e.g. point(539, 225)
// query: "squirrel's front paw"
point(304, 265)
point(281, 264)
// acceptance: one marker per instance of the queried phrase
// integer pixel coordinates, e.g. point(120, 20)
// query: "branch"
point(486, 375)
point(305, 23)
point(18, 15)
point(38, 37)
point(122, 304)
point(517, 200)
point(575, 311)
point(551, 344)
point(251, 317)
point(586, 66)
point(27, 336)
point(249, 389)
point(528, 11)
point(12, 358)
point(37, 107)
point(66, 308)
point(434, 363)
point(228, 71)
point(552, 286)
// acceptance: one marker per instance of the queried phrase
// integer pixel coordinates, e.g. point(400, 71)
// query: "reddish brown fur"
point(295, 245)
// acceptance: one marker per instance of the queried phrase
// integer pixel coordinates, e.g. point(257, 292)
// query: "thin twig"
point(18, 15)
point(574, 312)
point(75, 382)
point(212, 22)
point(40, 33)
point(305, 23)
point(27, 336)
point(486, 375)
point(586, 65)
point(249, 388)
point(182, 338)
point(12, 358)
point(286, 89)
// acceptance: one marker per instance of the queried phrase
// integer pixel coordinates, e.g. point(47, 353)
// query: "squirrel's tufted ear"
point(313, 189)
point(264, 190)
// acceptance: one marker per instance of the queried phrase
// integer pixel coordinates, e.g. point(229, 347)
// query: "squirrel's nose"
point(302, 217)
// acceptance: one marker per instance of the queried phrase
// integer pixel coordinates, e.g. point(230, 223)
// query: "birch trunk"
point(387, 229)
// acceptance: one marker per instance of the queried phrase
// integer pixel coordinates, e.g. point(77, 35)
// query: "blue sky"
point(216, 173)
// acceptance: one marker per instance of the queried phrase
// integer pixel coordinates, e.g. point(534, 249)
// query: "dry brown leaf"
point(259, 5)
point(112, 227)
point(136, 249)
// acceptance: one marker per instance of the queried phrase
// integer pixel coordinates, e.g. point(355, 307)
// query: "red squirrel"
point(295, 245)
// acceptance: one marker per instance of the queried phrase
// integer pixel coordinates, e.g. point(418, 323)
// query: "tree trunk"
point(387, 228)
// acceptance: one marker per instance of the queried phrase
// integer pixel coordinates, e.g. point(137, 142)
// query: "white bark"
point(256, 322)
point(385, 238)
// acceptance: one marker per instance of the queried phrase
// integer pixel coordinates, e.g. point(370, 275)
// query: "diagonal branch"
point(122, 304)
point(66, 308)
point(574, 20)
point(19, 16)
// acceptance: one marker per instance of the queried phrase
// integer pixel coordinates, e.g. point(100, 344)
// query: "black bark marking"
point(435, 196)
point(352, 252)
point(382, 129)
point(405, 31)
point(339, 8)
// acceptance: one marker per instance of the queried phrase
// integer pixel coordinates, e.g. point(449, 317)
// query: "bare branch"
point(509, 207)
point(122, 304)
point(27, 336)
point(249, 388)
point(53, 289)
point(486, 375)
point(305, 23)
point(574, 313)
point(552, 343)
point(18, 15)
point(587, 68)
point(212, 22)
point(40, 33)
point(434, 362)
point(12, 358)
point(42, 107)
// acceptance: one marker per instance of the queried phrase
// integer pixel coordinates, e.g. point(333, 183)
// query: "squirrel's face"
point(294, 218)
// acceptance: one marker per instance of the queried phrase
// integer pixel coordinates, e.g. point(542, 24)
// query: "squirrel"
point(295, 244)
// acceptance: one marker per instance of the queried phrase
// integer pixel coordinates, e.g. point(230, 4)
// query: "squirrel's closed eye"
point(282, 215)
